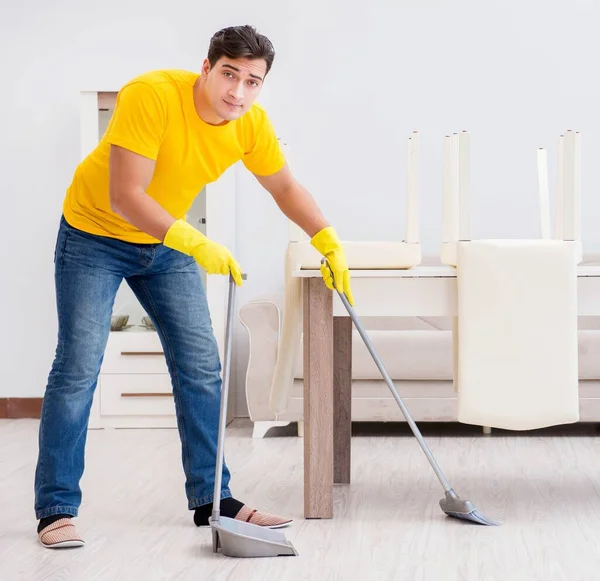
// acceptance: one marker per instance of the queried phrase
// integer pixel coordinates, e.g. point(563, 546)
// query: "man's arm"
point(300, 207)
point(130, 175)
point(294, 201)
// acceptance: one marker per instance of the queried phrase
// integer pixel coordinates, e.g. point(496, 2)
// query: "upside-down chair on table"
point(516, 330)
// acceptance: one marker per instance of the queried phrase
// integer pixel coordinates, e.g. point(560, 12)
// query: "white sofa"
point(417, 353)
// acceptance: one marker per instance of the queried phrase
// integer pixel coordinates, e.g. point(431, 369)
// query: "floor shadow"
point(455, 429)
point(433, 429)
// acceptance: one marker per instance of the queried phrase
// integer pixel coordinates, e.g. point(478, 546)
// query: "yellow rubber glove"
point(328, 244)
point(213, 257)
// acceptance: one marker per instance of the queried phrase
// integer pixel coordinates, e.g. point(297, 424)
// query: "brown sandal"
point(262, 519)
point(61, 534)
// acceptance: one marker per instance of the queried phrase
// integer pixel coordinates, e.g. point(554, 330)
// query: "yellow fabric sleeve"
point(139, 120)
point(265, 156)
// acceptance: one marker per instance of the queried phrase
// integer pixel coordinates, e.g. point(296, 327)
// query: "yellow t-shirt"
point(155, 117)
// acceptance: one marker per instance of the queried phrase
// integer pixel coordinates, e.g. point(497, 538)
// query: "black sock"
point(50, 519)
point(229, 508)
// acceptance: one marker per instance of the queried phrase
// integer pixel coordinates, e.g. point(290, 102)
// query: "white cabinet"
point(134, 387)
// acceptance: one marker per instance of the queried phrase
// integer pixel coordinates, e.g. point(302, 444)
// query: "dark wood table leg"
point(342, 399)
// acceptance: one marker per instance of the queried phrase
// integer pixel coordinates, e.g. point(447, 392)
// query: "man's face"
point(232, 85)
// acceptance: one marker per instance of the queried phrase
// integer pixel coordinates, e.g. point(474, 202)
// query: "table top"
point(441, 271)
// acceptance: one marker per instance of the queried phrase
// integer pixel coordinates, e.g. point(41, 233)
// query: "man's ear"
point(205, 67)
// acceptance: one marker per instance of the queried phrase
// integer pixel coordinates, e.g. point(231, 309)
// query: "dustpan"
point(233, 537)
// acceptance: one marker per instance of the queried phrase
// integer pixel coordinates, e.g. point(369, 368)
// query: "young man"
point(124, 218)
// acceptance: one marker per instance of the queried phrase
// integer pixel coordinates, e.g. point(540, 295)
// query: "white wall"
point(351, 80)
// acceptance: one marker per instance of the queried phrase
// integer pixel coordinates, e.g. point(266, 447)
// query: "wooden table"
point(420, 291)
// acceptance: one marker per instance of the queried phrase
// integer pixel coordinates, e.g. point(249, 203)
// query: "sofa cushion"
point(405, 354)
point(427, 355)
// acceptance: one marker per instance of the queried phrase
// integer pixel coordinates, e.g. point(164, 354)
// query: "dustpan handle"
point(224, 397)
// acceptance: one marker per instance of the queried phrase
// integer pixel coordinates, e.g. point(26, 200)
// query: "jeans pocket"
point(84, 250)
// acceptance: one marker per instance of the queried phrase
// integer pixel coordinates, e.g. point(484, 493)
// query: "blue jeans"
point(167, 283)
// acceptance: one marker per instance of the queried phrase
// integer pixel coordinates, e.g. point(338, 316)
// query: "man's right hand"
point(213, 257)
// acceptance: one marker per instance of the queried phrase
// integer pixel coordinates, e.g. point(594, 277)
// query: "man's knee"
point(77, 362)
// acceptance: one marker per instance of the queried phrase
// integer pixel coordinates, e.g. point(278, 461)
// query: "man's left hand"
point(328, 244)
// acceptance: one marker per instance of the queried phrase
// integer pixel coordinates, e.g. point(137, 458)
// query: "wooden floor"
point(388, 524)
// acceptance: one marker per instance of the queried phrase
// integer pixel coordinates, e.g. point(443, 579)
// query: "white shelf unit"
point(133, 388)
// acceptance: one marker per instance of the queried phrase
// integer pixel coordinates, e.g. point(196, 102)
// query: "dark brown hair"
point(240, 42)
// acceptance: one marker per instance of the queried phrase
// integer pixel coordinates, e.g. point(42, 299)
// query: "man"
point(124, 218)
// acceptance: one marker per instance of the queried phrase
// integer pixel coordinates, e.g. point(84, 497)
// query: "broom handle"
point(388, 380)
